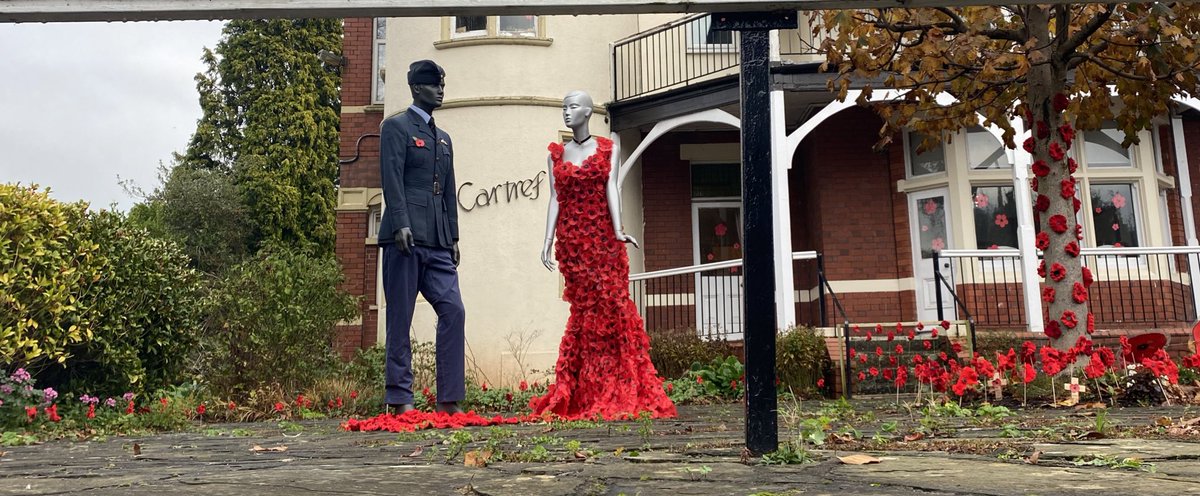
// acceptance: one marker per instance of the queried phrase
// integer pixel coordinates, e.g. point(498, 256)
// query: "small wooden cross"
point(1075, 388)
point(998, 383)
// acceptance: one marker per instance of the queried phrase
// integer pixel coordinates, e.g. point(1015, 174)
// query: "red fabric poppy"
point(927, 344)
point(1072, 249)
point(1058, 223)
point(1095, 367)
point(1048, 294)
point(1043, 130)
point(1056, 151)
point(1079, 293)
point(1072, 165)
point(1091, 323)
point(1067, 187)
point(874, 372)
point(1042, 204)
point(1042, 241)
point(1087, 277)
point(1041, 270)
point(862, 376)
point(1057, 272)
point(1033, 183)
point(1040, 169)
point(1060, 102)
point(1067, 133)
point(1028, 145)
point(1052, 330)
point(1076, 204)
point(1069, 319)
point(1030, 373)
point(1053, 361)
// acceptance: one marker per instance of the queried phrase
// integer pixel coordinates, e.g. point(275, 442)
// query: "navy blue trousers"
point(431, 272)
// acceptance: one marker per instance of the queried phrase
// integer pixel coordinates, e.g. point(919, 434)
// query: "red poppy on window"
point(720, 229)
point(1116, 226)
point(930, 207)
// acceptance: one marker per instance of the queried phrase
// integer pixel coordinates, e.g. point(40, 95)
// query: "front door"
point(930, 224)
point(717, 231)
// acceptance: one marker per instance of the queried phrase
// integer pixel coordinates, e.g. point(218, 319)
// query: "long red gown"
point(604, 360)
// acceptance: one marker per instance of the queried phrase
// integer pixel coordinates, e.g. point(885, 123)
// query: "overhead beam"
point(162, 10)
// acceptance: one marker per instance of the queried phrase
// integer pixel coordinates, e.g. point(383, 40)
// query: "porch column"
point(1184, 173)
point(1026, 232)
point(785, 287)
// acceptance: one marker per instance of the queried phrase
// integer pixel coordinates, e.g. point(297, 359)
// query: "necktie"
point(437, 184)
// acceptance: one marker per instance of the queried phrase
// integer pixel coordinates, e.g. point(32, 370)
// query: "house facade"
point(667, 93)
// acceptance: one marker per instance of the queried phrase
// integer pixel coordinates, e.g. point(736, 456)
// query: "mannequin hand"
point(625, 238)
point(547, 259)
point(404, 240)
point(455, 255)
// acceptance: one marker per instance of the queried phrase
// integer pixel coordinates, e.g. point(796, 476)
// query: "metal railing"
point(672, 55)
point(1133, 286)
point(837, 305)
point(708, 297)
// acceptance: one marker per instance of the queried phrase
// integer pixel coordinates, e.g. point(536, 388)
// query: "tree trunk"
point(1056, 201)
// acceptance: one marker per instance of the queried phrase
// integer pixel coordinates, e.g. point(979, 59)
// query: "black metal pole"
point(937, 286)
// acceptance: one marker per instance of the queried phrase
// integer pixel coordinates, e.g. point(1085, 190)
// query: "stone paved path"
point(699, 453)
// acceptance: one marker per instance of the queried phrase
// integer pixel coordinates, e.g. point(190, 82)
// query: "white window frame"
point(378, 44)
point(697, 42)
point(909, 148)
point(476, 33)
point(504, 34)
point(1135, 202)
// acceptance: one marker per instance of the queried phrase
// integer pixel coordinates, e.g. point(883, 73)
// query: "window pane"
point(931, 216)
point(518, 26)
point(720, 234)
point(716, 181)
point(700, 33)
point(985, 151)
point(381, 28)
point(995, 217)
point(470, 24)
point(927, 162)
point(1113, 215)
point(1103, 148)
point(380, 57)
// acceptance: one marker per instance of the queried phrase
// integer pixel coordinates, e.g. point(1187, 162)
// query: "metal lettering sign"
point(148, 10)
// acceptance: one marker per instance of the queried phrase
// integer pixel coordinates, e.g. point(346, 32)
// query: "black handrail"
point(940, 280)
point(824, 283)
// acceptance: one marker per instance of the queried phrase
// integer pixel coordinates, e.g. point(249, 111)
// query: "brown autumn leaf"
point(276, 449)
point(477, 458)
point(137, 449)
point(1163, 422)
point(582, 455)
point(916, 436)
point(1033, 459)
point(416, 452)
point(858, 459)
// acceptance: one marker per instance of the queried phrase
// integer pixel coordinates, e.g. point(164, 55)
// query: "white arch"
point(663, 127)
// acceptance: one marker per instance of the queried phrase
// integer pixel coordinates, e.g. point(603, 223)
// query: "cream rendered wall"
point(509, 296)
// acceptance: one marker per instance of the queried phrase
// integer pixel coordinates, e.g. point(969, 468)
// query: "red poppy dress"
point(604, 359)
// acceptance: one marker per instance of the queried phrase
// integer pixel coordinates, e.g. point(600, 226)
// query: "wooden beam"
point(158, 10)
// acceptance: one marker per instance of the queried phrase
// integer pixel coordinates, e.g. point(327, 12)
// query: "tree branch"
point(1067, 49)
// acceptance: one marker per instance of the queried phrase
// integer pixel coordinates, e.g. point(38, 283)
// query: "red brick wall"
point(358, 260)
point(1174, 201)
point(667, 199)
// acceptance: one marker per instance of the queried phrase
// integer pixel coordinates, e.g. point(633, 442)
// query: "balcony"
point(686, 52)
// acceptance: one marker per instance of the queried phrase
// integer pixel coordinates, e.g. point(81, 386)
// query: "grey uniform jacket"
point(417, 169)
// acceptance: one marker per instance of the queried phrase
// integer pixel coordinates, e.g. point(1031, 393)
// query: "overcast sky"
point(82, 104)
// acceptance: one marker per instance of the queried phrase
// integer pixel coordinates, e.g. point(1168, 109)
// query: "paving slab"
point(698, 453)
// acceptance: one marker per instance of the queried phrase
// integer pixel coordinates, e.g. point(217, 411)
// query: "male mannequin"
point(419, 236)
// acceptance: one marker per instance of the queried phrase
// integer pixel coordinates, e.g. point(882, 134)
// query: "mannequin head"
point(577, 109)
point(427, 81)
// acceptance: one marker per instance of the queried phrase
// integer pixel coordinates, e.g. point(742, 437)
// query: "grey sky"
point(81, 104)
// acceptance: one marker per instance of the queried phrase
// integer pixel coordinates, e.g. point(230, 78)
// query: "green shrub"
point(48, 260)
point(673, 352)
point(271, 321)
point(801, 358)
point(90, 302)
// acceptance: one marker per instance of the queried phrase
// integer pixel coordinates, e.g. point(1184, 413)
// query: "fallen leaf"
point(916, 436)
point(477, 458)
point(582, 455)
point(416, 452)
point(1163, 421)
point(858, 459)
point(277, 449)
point(137, 449)
point(1033, 459)
point(548, 430)
point(1091, 435)
point(2, 453)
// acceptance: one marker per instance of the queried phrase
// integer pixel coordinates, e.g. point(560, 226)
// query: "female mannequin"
point(604, 363)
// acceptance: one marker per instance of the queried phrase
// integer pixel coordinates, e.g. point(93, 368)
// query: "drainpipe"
point(1184, 174)
point(785, 291)
point(1026, 232)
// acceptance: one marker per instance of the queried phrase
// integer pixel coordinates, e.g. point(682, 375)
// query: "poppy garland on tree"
point(603, 363)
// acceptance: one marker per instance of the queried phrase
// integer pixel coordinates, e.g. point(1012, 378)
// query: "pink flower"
point(720, 230)
point(981, 200)
point(924, 228)
point(930, 207)
point(1118, 200)
point(1001, 220)
point(1116, 226)
point(938, 244)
